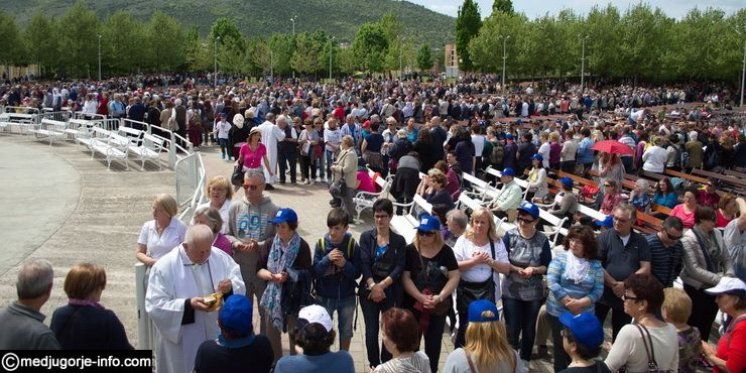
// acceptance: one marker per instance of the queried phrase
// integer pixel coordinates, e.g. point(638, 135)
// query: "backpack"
point(684, 159)
point(321, 247)
point(498, 152)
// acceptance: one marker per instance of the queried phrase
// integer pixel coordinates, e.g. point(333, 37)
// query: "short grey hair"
point(213, 216)
point(255, 174)
point(34, 279)
point(280, 118)
point(269, 116)
point(198, 233)
point(458, 217)
point(628, 208)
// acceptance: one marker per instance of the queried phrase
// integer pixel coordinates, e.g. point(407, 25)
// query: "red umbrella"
point(613, 147)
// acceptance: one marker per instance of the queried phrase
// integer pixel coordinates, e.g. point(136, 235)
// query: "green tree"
point(603, 41)
point(370, 46)
point(225, 29)
point(199, 52)
point(424, 58)
point(42, 45)
point(165, 42)
point(306, 57)
point(468, 24)
point(282, 47)
point(122, 38)
point(79, 41)
point(503, 6)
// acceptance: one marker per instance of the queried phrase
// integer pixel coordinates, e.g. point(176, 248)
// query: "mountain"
point(340, 18)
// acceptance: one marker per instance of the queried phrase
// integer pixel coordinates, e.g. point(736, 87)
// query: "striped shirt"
point(665, 262)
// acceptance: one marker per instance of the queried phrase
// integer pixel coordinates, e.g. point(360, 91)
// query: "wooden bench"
point(647, 223)
point(652, 176)
point(681, 175)
point(732, 180)
point(661, 209)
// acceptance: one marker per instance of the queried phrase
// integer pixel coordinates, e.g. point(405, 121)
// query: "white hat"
point(727, 285)
point(316, 314)
point(238, 120)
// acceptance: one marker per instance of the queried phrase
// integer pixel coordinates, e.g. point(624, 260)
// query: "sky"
point(538, 8)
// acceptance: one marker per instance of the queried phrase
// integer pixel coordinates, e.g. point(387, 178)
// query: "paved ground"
point(67, 208)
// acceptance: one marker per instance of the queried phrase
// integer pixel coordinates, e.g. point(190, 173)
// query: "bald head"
point(198, 243)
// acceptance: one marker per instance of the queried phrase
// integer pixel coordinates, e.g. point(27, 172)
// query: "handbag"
point(338, 188)
point(648, 343)
point(237, 176)
point(467, 292)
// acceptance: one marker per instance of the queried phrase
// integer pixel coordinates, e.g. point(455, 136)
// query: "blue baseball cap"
point(428, 223)
point(509, 136)
point(529, 208)
point(567, 182)
point(585, 328)
point(285, 215)
point(508, 171)
point(483, 310)
point(537, 157)
point(235, 314)
point(606, 223)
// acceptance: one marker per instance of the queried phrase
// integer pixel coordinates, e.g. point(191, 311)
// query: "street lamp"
point(743, 70)
point(583, 39)
point(505, 57)
point(99, 58)
point(331, 50)
point(292, 19)
point(215, 55)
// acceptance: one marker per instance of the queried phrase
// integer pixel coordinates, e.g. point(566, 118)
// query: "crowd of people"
point(501, 292)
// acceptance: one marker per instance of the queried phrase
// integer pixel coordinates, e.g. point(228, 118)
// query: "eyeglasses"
point(382, 216)
point(426, 234)
point(672, 237)
point(626, 297)
point(524, 220)
point(251, 187)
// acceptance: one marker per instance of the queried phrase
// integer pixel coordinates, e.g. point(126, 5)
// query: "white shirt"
point(222, 128)
point(159, 246)
point(478, 141)
point(332, 137)
point(628, 349)
point(655, 160)
point(464, 249)
point(544, 151)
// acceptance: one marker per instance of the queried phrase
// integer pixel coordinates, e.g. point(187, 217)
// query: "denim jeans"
point(287, 159)
point(371, 315)
point(224, 149)
point(520, 320)
point(329, 161)
point(345, 308)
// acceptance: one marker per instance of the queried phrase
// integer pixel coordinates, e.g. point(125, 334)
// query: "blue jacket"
point(330, 281)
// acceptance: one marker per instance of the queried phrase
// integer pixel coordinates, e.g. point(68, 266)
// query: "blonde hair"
point(167, 203)
point(220, 182)
point(491, 232)
point(677, 304)
point(348, 141)
point(554, 136)
point(488, 343)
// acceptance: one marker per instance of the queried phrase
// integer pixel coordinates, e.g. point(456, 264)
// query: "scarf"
point(576, 268)
point(276, 263)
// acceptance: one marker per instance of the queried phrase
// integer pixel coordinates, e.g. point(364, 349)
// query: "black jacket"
point(395, 255)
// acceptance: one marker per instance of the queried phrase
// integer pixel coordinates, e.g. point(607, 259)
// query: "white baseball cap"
point(316, 314)
point(727, 285)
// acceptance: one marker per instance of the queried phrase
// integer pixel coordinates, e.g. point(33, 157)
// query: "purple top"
point(223, 243)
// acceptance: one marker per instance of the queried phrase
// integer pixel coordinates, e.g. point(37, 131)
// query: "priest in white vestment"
point(271, 135)
point(177, 285)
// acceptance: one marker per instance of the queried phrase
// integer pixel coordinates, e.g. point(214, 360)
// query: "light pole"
point(292, 20)
point(215, 56)
point(505, 57)
point(331, 50)
point(99, 58)
point(743, 70)
point(583, 39)
point(271, 67)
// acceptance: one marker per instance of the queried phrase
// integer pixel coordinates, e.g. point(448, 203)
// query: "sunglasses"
point(426, 234)
point(628, 297)
point(524, 220)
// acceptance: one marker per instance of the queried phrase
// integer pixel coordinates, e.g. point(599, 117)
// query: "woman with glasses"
point(648, 344)
point(685, 211)
point(479, 252)
point(576, 282)
point(730, 353)
point(523, 288)
point(430, 276)
point(612, 197)
point(382, 254)
point(706, 261)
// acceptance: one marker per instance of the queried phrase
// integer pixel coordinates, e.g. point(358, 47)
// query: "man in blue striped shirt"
point(666, 251)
